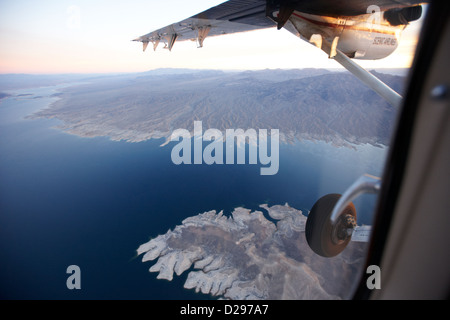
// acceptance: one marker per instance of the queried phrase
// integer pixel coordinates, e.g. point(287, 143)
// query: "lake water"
point(91, 202)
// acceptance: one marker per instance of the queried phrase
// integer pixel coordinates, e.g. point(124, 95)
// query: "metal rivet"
point(439, 92)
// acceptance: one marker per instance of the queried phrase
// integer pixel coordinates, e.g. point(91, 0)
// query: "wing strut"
point(392, 97)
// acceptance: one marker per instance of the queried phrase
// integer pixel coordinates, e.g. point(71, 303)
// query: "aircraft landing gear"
point(325, 238)
point(332, 219)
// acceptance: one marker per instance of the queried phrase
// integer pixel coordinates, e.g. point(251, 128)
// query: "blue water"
point(91, 202)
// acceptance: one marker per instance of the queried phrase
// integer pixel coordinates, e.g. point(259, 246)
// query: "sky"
point(86, 36)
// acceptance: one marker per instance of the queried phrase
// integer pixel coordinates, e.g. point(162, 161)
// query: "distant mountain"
point(21, 81)
point(4, 95)
point(302, 104)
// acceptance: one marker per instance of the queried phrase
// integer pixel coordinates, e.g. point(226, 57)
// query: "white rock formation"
point(246, 256)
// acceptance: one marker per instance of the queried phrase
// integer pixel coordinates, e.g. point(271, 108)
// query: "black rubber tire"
point(318, 229)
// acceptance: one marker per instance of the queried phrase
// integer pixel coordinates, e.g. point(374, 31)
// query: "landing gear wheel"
point(323, 238)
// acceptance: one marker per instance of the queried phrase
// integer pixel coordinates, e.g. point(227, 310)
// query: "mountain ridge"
point(322, 105)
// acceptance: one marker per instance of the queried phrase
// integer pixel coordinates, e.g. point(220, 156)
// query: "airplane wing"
point(230, 17)
point(246, 15)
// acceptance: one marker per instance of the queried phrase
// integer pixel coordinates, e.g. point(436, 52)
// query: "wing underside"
point(230, 17)
point(235, 16)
